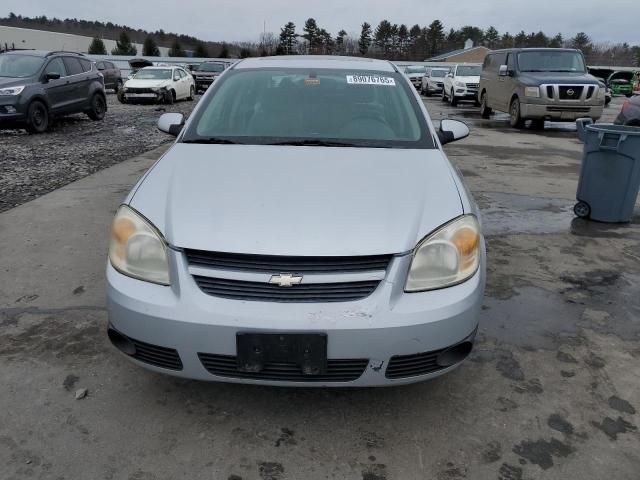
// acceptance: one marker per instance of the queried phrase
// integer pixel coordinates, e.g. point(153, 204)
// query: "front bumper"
point(560, 112)
point(465, 94)
point(11, 111)
point(151, 97)
point(388, 323)
point(204, 82)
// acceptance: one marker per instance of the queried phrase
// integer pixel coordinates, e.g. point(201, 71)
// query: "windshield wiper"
point(212, 140)
point(314, 143)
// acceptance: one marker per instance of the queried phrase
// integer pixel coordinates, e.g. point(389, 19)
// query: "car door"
point(57, 89)
point(186, 79)
point(79, 84)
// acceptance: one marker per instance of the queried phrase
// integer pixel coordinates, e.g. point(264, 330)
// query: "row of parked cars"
point(38, 86)
point(528, 84)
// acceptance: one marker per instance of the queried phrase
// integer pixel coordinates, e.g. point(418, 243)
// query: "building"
point(25, 38)
point(468, 54)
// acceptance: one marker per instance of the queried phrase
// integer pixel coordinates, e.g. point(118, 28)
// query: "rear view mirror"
point(171, 123)
point(452, 130)
point(52, 76)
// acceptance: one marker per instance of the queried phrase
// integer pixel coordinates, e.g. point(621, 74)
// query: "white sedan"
point(158, 84)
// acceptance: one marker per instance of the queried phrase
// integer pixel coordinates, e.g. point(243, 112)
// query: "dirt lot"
point(32, 165)
point(551, 390)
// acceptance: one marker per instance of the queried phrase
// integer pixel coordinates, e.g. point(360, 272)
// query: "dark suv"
point(37, 86)
point(111, 73)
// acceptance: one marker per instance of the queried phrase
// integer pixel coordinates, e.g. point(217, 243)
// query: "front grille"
point(550, 91)
point(590, 91)
point(158, 356)
point(566, 108)
point(473, 85)
point(305, 292)
point(402, 366)
point(278, 264)
point(337, 370)
point(139, 90)
point(569, 92)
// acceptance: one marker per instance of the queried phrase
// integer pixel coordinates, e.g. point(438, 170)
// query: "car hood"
point(14, 82)
point(206, 74)
point(564, 78)
point(300, 201)
point(415, 75)
point(468, 79)
point(135, 83)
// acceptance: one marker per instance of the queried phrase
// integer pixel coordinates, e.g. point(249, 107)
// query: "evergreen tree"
point(124, 46)
point(176, 50)
point(520, 40)
point(312, 35)
point(582, 42)
point(507, 40)
point(340, 42)
point(201, 51)
point(224, 51)
point(557, 41)
point(491, 38)
point(149, 47)
point(365, 39)
point(435, 38)
point(97, 47)
point(288, 40)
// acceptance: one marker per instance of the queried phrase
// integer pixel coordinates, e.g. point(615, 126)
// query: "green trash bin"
point(610, 173)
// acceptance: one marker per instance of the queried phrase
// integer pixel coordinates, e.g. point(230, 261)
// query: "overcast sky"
point(235, 20)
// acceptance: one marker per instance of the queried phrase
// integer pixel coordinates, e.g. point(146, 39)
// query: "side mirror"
point(504, 71)
point(52, 76)
point(101, 69)
point(171, 123)
point(450, 75)
point(452, 130)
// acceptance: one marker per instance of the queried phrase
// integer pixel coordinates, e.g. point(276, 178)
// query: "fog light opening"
point(121, 342)
point(455, 354)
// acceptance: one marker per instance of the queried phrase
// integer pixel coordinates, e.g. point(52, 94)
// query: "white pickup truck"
point(462, 83)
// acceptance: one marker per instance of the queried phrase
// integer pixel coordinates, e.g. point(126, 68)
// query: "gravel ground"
point(32, 165)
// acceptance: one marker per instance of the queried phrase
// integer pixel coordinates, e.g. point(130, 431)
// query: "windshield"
point(210, 67)
point(551, 61)
point(468, 70)
point(415, 69)
point(304, 106)
point(19, 66)
point(438, 73)
point(154, 74)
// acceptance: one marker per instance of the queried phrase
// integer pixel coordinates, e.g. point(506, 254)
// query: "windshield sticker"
point(312, 81)
point(370, 80)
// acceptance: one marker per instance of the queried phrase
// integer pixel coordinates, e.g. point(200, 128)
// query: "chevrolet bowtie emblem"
point(285, 280)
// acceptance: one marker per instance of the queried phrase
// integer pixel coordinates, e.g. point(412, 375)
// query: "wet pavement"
point(550, 390)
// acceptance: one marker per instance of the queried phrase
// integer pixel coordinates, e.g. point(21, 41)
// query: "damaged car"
point(158, 85)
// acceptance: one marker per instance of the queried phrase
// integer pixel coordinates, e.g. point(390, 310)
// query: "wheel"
point(192, 93)
point(37, 117)
point(169, 97)
point(118, 86)
point(515, 119)
point(121, 97)
point(537, 124)
point(452, 99)
point(98, 107)
point(628, 95)
point(582, 209)
point(444, 95)
point(485, 111)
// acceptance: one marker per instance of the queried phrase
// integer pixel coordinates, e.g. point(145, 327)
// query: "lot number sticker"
point(370, 80)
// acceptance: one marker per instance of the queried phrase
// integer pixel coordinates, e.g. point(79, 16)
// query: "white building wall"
point(43, 40)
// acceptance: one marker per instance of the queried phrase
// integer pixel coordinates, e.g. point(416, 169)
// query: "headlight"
point(460, 84)
point(9, 91)
point(447, 257)
point(602, 93)
point(137, 248)
point(532, 92)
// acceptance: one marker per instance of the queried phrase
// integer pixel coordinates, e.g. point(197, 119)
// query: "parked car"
point(158, 84)
point(136, 64)
point(621, 83)
point(415, 74)
point(206, 73)
point(433, 81)
point(38, 86)
point(306, 228)
point(111, 73)
point(630, 112)
point(461, 83)
point(539, 84)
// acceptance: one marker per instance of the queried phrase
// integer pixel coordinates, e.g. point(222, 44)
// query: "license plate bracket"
point(308, 351)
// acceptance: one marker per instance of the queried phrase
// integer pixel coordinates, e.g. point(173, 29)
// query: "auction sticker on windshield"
point(370, 80)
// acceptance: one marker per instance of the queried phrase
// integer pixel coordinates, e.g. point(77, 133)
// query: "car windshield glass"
point(468, 70)
point(19, 66)
point(210, 67)
point(550, 61)
point(415, 69)
point(438, 73)
point(153, 74)
point(303, 106)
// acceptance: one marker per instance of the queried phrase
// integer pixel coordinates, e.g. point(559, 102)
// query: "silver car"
point(306, 228)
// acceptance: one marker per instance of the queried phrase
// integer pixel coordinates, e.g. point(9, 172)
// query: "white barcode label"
point(370, 80)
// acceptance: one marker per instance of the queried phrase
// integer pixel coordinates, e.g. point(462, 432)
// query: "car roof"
point(534, 49)
point(42, 53)
point(317, 61)
point(161, 67)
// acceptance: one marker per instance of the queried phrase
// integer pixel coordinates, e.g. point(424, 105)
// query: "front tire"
point(169, 97)
point(192, 93)
point(37, 117)
point(120, 95)
point(515, 118)
point(452, 99)
point(98, 107)
point(444, 95)
point(485, 111)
